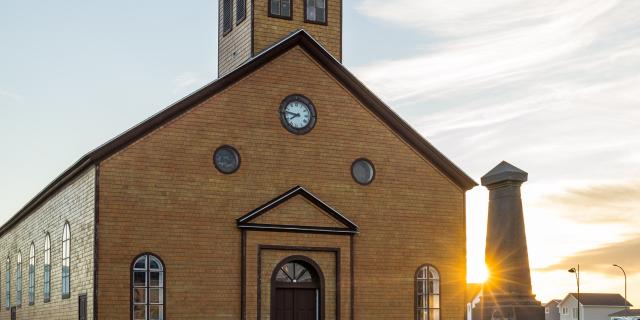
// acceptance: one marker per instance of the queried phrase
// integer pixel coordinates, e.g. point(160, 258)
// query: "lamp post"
point(625, 285)
point(577, 273)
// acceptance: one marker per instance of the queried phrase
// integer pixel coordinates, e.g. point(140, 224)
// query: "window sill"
point(31, 303)
point(316, 22)
point(66, 296)
point(47, 300)
point(280, 17)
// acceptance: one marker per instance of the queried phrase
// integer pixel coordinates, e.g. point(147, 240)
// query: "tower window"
point(227, 16)
point(241, 10)
point(316, 11)
point(280, 8)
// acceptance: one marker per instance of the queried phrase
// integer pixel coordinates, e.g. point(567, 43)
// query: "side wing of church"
point(283, 190)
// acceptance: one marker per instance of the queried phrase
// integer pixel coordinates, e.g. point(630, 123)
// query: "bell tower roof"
point(248, 27)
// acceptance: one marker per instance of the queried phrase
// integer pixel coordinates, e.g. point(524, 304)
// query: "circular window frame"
point(312, 109)
point(373, 168)
point(234, 150)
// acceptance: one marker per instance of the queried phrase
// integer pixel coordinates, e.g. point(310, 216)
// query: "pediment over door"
point(297, 210)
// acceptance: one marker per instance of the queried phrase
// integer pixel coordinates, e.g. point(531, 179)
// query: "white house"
point(593, 306)
point(627, 314)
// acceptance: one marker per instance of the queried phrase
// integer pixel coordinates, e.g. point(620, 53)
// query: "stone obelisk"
point(507, 294)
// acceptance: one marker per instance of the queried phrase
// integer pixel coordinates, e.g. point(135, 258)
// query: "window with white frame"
point(19, 279)
point(147, 288)
point(46, 281)
point(32, 274)
point(427, 293)
point(7, 284)
point(66, 266)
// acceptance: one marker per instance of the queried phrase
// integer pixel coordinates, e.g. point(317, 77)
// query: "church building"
point(283, 190)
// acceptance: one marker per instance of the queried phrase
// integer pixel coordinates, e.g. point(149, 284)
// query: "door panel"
point(295, 304)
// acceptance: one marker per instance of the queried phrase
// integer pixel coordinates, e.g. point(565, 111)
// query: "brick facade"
point(162, 194)
point(73, 203)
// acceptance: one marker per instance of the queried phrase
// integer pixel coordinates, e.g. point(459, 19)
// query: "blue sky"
point(551, 86)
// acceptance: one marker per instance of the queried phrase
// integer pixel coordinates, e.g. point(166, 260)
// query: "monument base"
point(508, 307)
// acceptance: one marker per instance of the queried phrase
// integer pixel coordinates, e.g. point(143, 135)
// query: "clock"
point(226, 159)
point(297, 114)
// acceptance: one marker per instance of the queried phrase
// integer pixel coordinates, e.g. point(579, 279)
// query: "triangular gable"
point(328, 219)
point(299, 38)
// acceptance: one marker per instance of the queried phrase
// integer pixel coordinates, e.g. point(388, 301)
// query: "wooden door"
point(295, 304)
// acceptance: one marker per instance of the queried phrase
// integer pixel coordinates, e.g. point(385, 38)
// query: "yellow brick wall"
point(269, 30)
point(163, 195)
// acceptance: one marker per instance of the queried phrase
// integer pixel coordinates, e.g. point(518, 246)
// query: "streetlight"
point(577, 273)
point(625, 285)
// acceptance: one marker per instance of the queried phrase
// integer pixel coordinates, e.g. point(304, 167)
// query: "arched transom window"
point(427, 293)
point(294, 272)
point(148, 288)
point(66, 266)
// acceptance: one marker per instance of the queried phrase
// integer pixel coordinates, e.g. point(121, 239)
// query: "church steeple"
point(246, 27)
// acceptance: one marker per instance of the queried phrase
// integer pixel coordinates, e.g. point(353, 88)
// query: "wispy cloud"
point(187, 81)
point(10, 95)
point(550, 85)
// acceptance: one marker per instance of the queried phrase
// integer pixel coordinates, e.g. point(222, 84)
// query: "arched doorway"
point(297, 290)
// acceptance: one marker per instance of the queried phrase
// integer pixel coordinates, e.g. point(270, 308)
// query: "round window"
point(363, 171)
point(226, 159)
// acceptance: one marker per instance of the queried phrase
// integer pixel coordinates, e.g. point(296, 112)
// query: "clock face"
point(297, 114)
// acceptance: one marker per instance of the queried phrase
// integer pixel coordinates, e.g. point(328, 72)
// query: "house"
point(551, 310)
point(285, 189)
point(626, 314)
point(474, 292)
point(593, 306)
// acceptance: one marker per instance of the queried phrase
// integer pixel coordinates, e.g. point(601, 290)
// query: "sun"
point(478, 274)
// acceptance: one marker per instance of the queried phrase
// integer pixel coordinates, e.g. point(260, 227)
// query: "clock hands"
point(294, 114)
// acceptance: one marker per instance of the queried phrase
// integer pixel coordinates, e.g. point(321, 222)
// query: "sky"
point(551, 86)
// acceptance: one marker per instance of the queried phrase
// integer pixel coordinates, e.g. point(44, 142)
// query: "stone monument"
point(507, 293)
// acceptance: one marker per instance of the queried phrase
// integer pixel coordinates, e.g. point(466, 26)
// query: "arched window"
point(46, 283)
point(19, 279)
point(147, 288)
point(427, 293)
point(66, 271)
point(32, 274)
point(7, 284)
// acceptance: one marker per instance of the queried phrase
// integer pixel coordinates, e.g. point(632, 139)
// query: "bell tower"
point(247, 27)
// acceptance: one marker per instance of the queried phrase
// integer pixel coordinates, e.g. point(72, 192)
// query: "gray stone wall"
point(74, 203)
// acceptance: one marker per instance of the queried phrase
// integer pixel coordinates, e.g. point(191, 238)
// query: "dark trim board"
point(262, 247)
point(299, 38)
